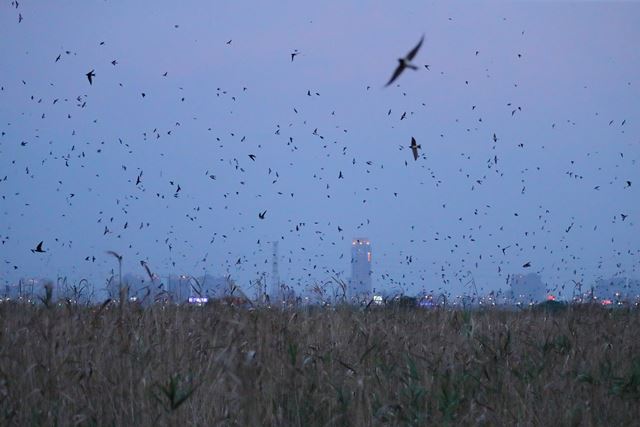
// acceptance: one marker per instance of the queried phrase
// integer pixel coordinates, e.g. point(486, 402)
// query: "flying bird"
point(293, 54)
point(90, 75)
point(405, 62)
point(526, 265)
point(414, 148)
point(39, 248)
point(262, 214)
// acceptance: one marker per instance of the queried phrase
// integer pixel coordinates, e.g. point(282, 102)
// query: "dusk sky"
point(199, 86)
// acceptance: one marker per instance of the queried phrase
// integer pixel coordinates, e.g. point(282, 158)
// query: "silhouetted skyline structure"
point(360, 282)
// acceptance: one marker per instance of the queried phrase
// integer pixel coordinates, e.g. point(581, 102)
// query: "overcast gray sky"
point(557, 83)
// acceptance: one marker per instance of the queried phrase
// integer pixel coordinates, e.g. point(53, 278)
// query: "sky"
point(527, 114)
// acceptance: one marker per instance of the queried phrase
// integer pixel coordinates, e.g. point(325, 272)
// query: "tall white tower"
point(360, 283)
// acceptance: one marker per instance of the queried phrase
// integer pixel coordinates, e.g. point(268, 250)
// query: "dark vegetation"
point(223, 365)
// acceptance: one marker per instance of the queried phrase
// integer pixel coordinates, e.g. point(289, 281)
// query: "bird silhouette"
point(405, 62)
point(38, 248)
point(414, 148)
point(90, 75)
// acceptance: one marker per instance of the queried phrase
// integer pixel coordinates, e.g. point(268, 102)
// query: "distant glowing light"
point(198, 300)
point(551, 298)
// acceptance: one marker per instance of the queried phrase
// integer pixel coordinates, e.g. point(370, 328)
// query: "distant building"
point(360, 283)
point(527, 288)
point(178, 288)
point(183, 288)
point(617, 288)
point(175, 288)
point(212, 286)
point(31, 289)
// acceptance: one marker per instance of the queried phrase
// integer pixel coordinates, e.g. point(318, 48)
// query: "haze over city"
point(210, 130)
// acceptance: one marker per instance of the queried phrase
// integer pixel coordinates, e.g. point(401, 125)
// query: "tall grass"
point(220, 365)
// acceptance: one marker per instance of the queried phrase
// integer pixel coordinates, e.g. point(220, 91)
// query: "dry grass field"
point(221, 365)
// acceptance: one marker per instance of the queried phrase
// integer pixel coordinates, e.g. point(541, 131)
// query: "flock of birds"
point(449, 272)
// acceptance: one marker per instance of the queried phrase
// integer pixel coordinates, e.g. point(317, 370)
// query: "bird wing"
point(414, 149)
point(415, 50)
point(396, 73)
point(39, 247)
